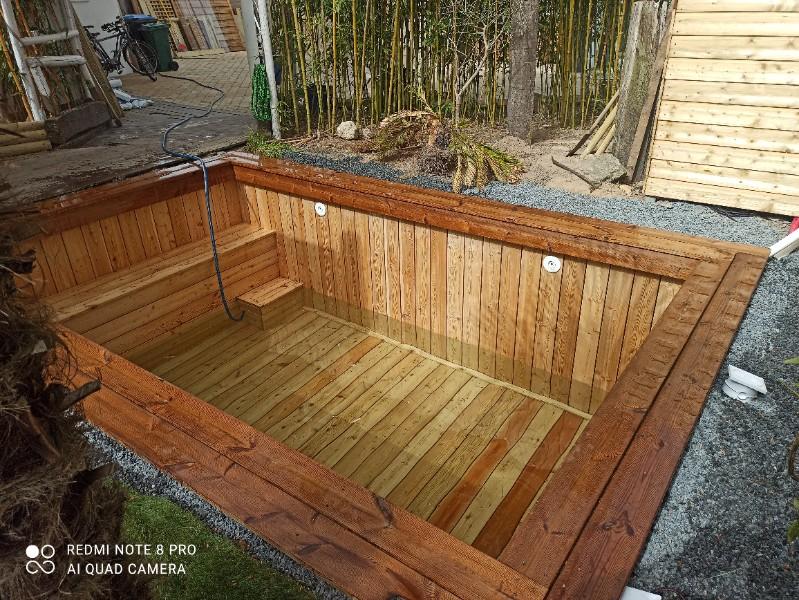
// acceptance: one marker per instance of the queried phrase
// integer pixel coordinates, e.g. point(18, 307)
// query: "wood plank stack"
point(727, 128)
point(23, 138)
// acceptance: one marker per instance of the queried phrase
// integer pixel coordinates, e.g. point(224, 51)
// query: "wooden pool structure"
point(416, 403)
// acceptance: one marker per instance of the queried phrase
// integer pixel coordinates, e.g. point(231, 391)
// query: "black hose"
point(201, 163)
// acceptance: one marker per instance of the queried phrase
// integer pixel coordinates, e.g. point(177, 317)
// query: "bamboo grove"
point(362, 60)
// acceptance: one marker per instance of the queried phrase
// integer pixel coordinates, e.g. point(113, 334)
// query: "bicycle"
point(139, 55)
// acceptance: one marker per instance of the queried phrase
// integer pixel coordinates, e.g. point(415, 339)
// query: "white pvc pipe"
point(250, 33)
point(19, 57)
point(269, 63)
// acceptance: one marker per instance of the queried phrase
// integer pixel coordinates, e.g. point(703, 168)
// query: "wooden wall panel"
point(727, 128)
point(85, 253)
point(477, 302)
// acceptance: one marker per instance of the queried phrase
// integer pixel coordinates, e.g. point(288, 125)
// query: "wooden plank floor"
point(459, 449)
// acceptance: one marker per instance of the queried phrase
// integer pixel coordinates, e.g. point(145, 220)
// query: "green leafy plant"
point(263, 145)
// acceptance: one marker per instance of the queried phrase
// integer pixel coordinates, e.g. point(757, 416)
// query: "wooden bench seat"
point(271, 303)
point(125, 309)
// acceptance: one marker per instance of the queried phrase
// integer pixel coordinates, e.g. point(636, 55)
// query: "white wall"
point(97, 12)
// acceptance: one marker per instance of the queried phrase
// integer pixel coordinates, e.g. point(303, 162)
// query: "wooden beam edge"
point(472, 569)
point(603, 557)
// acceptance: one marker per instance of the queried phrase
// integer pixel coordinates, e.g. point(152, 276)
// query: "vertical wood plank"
point(314, 259)
point(611, 337)
point(571, 299)
point(194, 216)
point(438, 292)
point(115, 243)
point(60, 267)
point(286, 236)
point(78, 255)
point(180, 223)
point(326, 261)
point(262, 208)
point(233, 202)
point(365, 275)
point(546, 323)
point(507, 311)
point(298, 220)
point(149, 234)
point(407, 282)
point(489, 306)
point(134, 246)
point(455, 270)
point(352, 265)
point(594, 291)
point(219, 207)
point(339, 258)
point(526, 313)
point(275, 224)
point(639, 318)
point(472, 284)
point(42, 275)
point(393, 279)
point(377, 257)
point(97, 249)
point(163, 225)
point(250, 194)
point(666, 291)
point(422, 283)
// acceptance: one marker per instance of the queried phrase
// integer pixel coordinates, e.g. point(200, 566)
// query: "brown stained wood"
point(472, 290)
point(251, 209)
point(147, 229)
point(529, 275)
point(195, 211)
point(455, 503)
point(60, 268)
point(438, 292)
point(588, 336)
point(422, 284)
point(507, 311)
point(413, 203)
point(132, 237)
point(611, 336)
point(558, 516)
point(602, 559)
point(489, 307)
point(97, 248)
point(407, 282)
point(163, 226)
point(325, 252)
point(455, 282)
point(317, 541)
point(499, 528)
point(301, 248)
point(231, 192)
point(393, 264)
point(666, 292)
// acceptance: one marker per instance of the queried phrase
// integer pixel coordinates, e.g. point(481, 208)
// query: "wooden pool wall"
point(582, 537)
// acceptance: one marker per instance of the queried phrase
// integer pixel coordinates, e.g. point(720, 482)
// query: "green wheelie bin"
point(157, 36)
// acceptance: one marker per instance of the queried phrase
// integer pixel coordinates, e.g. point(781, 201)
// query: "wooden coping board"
point(584, 534)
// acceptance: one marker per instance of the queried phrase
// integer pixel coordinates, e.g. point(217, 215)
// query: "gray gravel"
point(721, 531)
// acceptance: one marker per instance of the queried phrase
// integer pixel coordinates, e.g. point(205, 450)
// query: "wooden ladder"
point(30, 67)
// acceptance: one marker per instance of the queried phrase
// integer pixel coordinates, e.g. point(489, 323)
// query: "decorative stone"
point(347, 130)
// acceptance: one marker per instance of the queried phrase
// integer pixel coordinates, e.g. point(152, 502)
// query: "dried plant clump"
point(49, 491)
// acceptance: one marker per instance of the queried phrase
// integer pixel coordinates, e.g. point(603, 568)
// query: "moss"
point(219, 569)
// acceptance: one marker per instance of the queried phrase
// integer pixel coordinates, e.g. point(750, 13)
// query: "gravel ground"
point(721, 531)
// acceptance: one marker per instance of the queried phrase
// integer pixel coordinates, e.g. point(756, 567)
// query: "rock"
point(367, 133)
point(347, 130)
point(594, 169)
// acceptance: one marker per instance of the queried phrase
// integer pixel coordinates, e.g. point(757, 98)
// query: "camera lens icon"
point(45, 566)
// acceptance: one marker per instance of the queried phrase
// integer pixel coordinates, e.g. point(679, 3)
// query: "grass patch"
point(219, 569)
point(263, 145)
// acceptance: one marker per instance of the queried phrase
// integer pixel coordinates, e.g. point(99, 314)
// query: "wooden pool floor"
point(463, 451)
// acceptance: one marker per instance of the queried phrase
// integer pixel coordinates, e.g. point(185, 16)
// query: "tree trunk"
point(523, 58)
